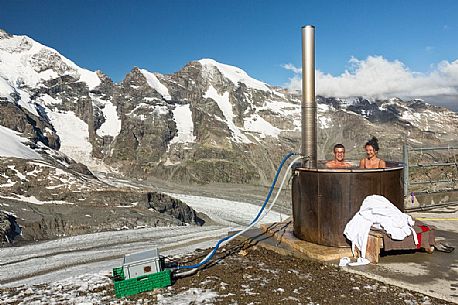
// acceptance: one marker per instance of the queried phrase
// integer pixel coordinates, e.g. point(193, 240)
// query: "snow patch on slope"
point(48, 100)
point(73, 134)
point(154, 83)
point(256, 123)
point(12, 145)
point(283, 109)
point(33, 200)
point(325, 122)
point(226, 108)
point(234, 74)
point(26, 102)
point(112, 124)
point(6, 89)
point(183, 118)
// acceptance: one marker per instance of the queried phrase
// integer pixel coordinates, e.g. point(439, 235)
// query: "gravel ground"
point(241, 274)
point(254, 275)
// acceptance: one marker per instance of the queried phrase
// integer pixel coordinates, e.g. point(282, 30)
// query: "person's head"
point(339, 152)
point(371, 147)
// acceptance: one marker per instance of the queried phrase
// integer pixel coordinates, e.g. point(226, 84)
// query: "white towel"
point(378, 211)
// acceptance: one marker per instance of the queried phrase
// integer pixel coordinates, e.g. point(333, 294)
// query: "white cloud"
point(292, 68)
point(380, 78)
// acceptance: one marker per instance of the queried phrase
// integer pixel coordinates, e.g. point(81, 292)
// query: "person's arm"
point(382, 164)
point(361, 163)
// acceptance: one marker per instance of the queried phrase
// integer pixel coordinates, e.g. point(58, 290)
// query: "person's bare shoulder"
point(330, 164)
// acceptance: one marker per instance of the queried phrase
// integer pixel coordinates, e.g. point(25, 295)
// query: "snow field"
point(12, 145)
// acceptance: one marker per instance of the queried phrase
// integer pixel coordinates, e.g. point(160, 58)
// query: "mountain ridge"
point(207, 122)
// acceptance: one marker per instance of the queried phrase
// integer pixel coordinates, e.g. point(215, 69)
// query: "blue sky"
point(258, 36)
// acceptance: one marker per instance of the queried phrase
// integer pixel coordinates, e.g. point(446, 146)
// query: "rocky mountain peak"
point(144, 86)
point(46, 59)
point(14, 44)
point(103, 77)
point(4, 34)
point(237, 76)
point(134, 77)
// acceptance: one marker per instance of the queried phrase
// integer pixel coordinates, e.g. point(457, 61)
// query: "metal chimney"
point(308, 107)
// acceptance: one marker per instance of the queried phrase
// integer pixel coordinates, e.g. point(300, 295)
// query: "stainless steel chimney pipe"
point(308, 107)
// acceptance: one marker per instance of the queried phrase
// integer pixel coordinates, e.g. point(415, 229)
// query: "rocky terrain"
point(262, 277)
point(41, 200)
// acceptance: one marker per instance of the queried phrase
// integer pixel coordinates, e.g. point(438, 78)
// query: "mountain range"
point(208, 122)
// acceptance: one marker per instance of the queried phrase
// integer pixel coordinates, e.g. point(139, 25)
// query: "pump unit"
point(142, 263)
point(141, 271)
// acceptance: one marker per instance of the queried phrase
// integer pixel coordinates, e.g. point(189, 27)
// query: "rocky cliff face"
point(9, 228)
point(176, 208)
point(206, 122)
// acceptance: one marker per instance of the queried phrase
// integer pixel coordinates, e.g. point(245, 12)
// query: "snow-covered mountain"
point(26, 63)
point(207, 122)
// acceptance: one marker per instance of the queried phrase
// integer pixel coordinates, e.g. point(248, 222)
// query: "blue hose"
point(285, 158)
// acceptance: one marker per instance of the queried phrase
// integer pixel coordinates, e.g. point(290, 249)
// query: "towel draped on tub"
point(379, 213)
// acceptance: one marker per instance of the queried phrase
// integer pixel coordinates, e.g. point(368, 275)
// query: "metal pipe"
point(435, 164)
point(432, 206)
point(308, 107)
point(432, 148)
point(435, 181)
point(405, 155)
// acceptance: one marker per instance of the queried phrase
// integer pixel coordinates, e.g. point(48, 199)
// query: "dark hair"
point(373, 142)
point(338, 146)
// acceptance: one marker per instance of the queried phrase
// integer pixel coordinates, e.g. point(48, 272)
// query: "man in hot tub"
point(339, 158)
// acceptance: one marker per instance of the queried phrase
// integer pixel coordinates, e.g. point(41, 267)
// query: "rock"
point(82, 169)
point(174, 207)
point(37, 129)
point(9, 228)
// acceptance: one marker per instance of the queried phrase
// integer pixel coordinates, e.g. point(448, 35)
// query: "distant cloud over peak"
point(291, 67)
point(380, 78)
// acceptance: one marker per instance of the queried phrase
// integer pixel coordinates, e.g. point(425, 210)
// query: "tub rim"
point(391, 166)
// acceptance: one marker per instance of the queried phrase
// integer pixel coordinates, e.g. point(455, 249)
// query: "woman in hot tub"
point(372, 161)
